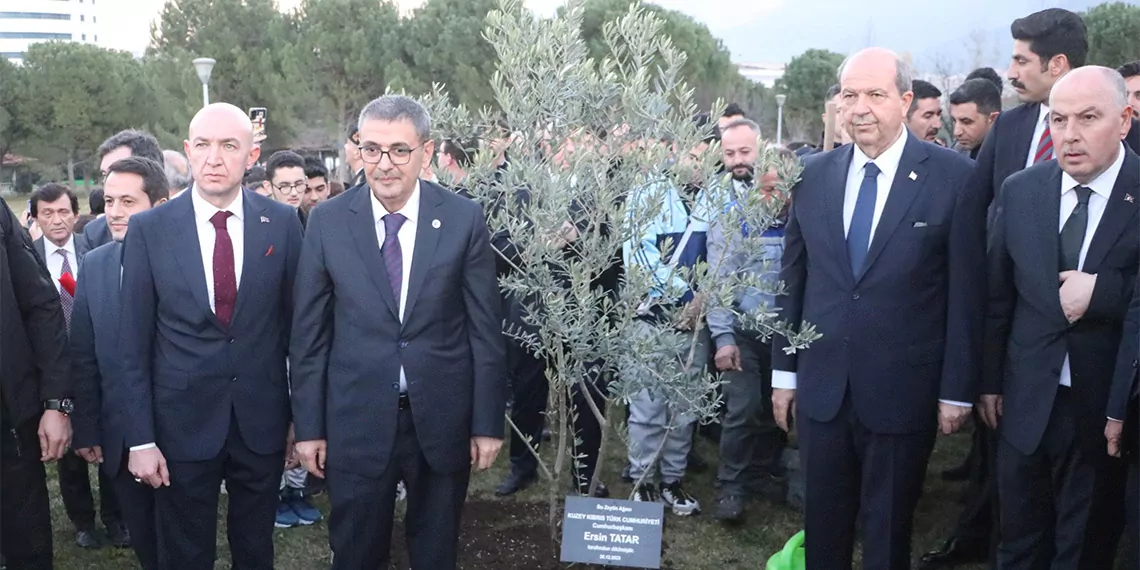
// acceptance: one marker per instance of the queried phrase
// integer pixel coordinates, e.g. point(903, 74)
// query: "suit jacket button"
point(234, 379)
point(396, 386)
point(231, 341)
point(855, 296)
point(403, 344)
point(1135, 362)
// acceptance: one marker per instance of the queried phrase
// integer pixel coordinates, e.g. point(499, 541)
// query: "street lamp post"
point(204, 66)
point(780, 117)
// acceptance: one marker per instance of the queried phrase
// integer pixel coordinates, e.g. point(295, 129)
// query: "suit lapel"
point(40, 249)
point(186, 248)
point(1046, 216)
point(112, 282)
point(427, 238)
point(1022, 139)
point(256, 245)
point(904, 189)
point(363, 229)
point(836, 191)
point(1117, 214)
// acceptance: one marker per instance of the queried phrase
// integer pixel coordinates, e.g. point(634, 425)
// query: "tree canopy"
point(1114, 34)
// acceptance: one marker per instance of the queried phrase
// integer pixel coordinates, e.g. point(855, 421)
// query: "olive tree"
point(593, 146)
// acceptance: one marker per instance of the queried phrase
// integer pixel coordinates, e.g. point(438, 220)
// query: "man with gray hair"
point(751, 444)
point(1050, 352)
point(883, 247)
point(398, 361)
point(177, 169)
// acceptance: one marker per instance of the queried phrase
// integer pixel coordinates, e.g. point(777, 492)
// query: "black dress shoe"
point(88, 539)
point(954, 552)
point(516, 481)
point(696, 463)
point(601, 492)
point(119, 536)
point(957, 474)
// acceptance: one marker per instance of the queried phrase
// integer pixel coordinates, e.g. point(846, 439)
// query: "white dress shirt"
point(1042, 120)
point(888, 164)
point(407, 238)
point(1098, 200)
point(55, 260)
point(203, 211)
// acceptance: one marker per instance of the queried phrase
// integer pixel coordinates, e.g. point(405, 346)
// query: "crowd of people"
point(219, 323)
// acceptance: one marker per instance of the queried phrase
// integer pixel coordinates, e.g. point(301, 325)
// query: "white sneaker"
point(676, 497)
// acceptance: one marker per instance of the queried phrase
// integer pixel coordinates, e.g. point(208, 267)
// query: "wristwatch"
point(64, 406)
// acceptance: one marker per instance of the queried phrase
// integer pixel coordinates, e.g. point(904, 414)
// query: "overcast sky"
point(761, 31)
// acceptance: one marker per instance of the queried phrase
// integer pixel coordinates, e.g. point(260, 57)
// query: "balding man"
point(210, 278)
point(884, 246)
point(1062, 267)
point(177, 171)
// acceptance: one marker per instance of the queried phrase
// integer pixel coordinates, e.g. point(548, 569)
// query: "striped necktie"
point(1045, 145)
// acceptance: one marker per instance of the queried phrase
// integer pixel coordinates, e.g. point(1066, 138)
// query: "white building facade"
point(26, 22)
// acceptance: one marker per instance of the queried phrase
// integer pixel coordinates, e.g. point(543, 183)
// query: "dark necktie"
point(1073, 232)
point(225, 276)
point(65, 297)
point(859, 233)
point(393, 256)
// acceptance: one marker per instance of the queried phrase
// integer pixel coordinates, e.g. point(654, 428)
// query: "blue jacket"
point(661, 235)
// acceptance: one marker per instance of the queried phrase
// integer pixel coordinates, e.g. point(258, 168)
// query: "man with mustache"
point(1047, 45)
point(1063, 258)
point(924, 118)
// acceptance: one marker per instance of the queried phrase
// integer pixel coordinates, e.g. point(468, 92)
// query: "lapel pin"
point(913, 176)
point(1128, 198)
point(264, 220)
point(435, 224)
point(269, 251)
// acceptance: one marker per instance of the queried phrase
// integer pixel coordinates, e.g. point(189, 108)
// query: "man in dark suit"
point(35, 397)
point(121, 145)
point(398, 355)
point(884, 247)
point(1121, 429)
point(204, 339)
point(132, 185)
point(55, 207)
point(1050, 353)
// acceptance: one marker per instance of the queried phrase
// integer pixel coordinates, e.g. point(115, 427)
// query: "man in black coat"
point(35, 396)
point(1063, 258)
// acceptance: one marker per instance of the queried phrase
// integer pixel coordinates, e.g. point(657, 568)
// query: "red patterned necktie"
point(65, 297)
point(225, 277)
point(1044, 146)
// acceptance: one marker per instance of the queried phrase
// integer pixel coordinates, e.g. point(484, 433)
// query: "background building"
point(25, 22)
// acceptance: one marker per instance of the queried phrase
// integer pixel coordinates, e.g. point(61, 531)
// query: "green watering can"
point(791, 557)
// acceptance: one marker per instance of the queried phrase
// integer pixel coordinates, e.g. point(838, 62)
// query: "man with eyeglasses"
point(286, 173)
point(397, 353)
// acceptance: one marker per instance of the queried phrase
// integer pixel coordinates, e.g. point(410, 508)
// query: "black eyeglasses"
point(399, 155)
point(297, 187)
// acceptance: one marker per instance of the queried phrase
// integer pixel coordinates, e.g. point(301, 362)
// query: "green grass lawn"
point(698, 543)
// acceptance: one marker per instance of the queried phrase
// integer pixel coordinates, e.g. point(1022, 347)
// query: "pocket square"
point(919, 225)
point(269, 251)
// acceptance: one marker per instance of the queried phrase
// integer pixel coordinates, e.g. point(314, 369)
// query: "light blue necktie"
point(859, 234)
